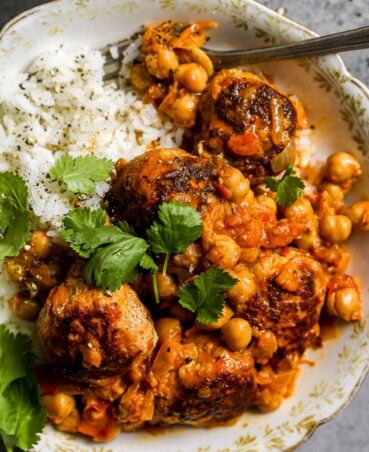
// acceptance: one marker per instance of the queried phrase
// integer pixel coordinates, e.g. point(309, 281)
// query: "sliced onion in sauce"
point(278, 121)
point(200, 57)
point(281, 161)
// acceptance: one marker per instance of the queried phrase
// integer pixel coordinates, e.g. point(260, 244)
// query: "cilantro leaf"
point(14, 217)
point(205, 295)
point(80, 174)
point(117, 262)
point(147, 263)
point(21, 414)
point(177, 227)
point(288, 189)
point(14, 357)
point(80, 226)
point(115, 252)
point(84, 218)
point(125, 227)
point(22, 417)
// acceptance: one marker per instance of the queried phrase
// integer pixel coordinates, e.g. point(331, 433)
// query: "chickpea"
point(249, 255)
point(166, 285)
point(334, 190)
point(344, 303)
point(237, 333)
point(190, 258)
point(250, 198)
point(302, 207)
point(342, 168)
point(335, 228)
point(152, 65)
point(40, 244)
point(267, 203)
point(15, 271)
point(47, 274)
point(359, 215)
point(24, 308)
point(140, 78)
point(309, 239)
point(335, 257)
point(183, 109)
point(167, 61)
point(236, 183)
point(265, 347)
point(168, 327)
point(225, 252)
point(225, 317)
point(59, 406)
point(245, 288)
point(70, 423)
point(193, 77)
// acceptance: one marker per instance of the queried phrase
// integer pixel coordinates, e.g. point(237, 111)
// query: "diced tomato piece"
point(246, 144)
point(223, 190)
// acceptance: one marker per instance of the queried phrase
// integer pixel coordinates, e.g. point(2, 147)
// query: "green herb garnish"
point(14, 216)
point(287, 189)
point(115, 252)
point(80, 174)
point(177, 227)
point(80, 226)
point(22, 417)
point(205, 295)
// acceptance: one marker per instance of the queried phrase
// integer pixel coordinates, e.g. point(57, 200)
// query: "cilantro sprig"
point(115, 253)
point(80, 174)
point(288, 189)
point(205, 296)
point(14, 216)
point(178, 226)
point(22, 416)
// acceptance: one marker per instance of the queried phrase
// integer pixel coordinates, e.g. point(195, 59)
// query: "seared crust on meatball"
point(159, 176)
point(207, 384)
point(91, 334)
point(247, 120)
point(292, 289)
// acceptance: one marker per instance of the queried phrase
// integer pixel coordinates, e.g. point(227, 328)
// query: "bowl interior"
point(337, 106)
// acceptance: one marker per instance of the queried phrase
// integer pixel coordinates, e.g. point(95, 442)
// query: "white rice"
point(62, 106)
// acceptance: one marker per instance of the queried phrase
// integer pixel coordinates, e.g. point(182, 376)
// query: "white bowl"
point(337, 104)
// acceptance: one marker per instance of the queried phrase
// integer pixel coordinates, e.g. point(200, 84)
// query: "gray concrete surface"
point(349, 432)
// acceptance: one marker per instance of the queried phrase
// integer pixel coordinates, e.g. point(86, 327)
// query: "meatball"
point(200, 382)
point(292, 287)
point(247, 120)
point(158, 176)
point(92, 334)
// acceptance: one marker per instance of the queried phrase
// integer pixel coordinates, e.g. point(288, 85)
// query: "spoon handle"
point(338, 42)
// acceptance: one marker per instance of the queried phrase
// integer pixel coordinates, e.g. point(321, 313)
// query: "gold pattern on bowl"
point(338, 105)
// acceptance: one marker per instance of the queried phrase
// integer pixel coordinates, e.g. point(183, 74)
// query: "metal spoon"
point(338, 42)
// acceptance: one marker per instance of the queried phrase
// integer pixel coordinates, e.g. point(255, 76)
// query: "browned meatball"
point(92, 334)
point(158, 176)
point(200, 382)
point(246, 119)
point(292, 287)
